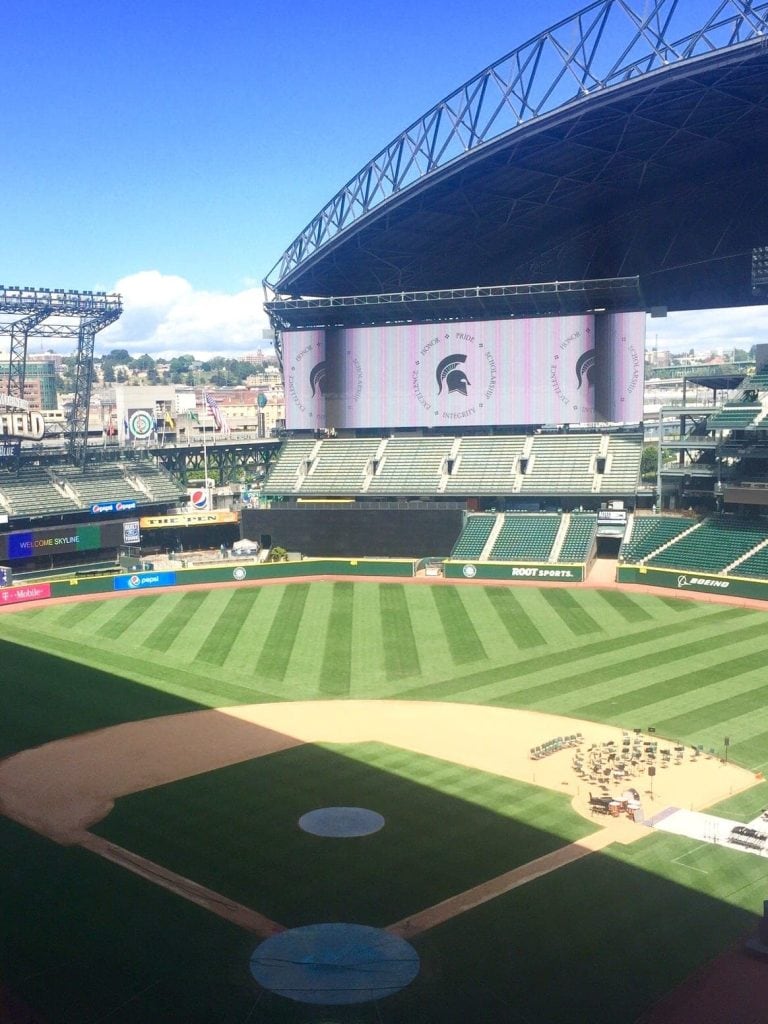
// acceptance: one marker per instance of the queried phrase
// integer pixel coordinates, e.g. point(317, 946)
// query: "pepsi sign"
point(198, 498)
point(144, 580)
point(112, 506)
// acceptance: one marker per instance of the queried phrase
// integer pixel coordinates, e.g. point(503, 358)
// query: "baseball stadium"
point(461, 716)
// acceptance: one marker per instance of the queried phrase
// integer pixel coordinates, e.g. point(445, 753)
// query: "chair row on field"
point(742, 835)
point(552, 746)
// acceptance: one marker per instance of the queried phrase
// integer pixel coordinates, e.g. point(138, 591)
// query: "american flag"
point(218, 416)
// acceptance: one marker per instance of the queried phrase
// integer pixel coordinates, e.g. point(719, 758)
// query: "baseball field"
point(207, 801)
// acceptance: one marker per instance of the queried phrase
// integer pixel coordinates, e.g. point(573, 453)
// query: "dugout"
point(356, 530)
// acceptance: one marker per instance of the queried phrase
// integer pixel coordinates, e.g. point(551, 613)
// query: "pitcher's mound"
point(341, 822)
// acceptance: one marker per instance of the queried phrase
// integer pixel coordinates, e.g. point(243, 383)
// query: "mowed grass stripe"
point(129, 612)
point(224, 631)
point(77, 613)
point(401, 656)
point(554, 659)
point(625, 605)
point(680, 685)
point(283, 633)
point(575, 617)
point(336, 669)
point(522, 630)
point(625, 667)
point(677, 604)
point(166, 632)
point(732, 706)
point(463, 642)
point(164, 675)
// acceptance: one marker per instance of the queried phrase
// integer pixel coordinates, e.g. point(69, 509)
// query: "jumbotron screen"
point(570, 369)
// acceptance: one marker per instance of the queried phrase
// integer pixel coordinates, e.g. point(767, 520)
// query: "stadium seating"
point(283, 475)
point(651, 532)
point(486, 465)
point(561, 464)
point(526, 537)
point(734, 416)
point(154, 483)
point(754, 565)
point(713, 546)
point(32, 492)
point(42, 491)
point(580, 538)
point(622, 471)
point(340, 467)
point(411, 465)
point(473, 538)
point(99, 483)
point(557, 464)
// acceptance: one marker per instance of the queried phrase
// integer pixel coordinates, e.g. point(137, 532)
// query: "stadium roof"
point(629, 139)
point(489, 302)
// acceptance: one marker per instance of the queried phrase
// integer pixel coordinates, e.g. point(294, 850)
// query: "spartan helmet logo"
point(449, 372)
point(317, 378)
point(585, 367)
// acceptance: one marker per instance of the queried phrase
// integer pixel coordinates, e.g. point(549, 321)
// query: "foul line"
point(690, 867)
point(486, 891)
point(217, 904)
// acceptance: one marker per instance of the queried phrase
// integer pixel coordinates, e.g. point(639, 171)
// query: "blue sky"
point(174, 150)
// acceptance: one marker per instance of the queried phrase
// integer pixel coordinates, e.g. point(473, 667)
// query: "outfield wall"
point(341, 532)
point(544, 571)
point(690, 580)
point(232, 573)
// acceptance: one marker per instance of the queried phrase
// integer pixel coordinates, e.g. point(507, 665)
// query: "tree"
point(108, 371)
point(144, 362)
point(120, 355)
point(181, 364)
point(649, 461)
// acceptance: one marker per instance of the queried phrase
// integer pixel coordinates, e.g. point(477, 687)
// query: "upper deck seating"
point(486, 465)
point(339, 467)
point(622, 470)
point(734, 416)
point(31, 492)
point(561, 464)
point(411, 465)
point(283, 474)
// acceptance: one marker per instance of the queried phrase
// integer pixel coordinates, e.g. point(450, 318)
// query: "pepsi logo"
point(198, 498)
point(134, 581)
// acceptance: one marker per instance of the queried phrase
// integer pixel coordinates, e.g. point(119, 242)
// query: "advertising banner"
point(64, 539)
point(701, 583)
point(112, 506)
point(570, 369)
point(144, 580)
point(188, 519)
point(545, 571)
point(31, 592)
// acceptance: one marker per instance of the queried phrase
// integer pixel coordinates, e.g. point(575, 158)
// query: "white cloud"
point(710, 329)
point(164, 315)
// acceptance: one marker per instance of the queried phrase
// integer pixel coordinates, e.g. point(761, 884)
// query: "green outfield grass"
point(472, 827)
point(618, 928)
